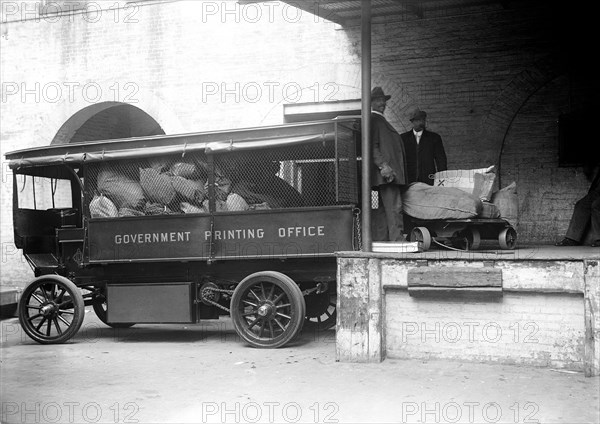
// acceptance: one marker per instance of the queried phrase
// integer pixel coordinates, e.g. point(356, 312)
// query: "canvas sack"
point(507, 202)
point(121, 189)
point(157, 186)
point(479, 182)
point(102, 207)
point(423, 201)
point(190, 189)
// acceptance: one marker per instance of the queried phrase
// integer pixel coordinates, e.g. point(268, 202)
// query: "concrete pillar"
point(359, 335)
point(592, 318)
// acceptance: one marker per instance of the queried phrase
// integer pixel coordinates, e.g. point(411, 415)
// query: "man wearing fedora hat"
point(425, 154)
point(388, 173)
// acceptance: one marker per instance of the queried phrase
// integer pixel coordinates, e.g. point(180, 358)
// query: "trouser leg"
point(596, 219)
point(379, 228)
point(580, 218)
point(392, 204)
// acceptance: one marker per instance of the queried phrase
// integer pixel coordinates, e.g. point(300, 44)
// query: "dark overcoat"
point(426, 158)
point(387, 148)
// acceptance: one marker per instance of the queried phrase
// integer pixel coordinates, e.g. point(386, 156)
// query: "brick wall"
point(487, 331)
point(398, 307)
point(191, 67)
point(493, 85)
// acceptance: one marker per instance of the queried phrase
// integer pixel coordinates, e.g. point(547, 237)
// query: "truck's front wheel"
point(51, 309)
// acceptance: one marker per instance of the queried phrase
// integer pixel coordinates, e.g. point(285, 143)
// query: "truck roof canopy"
point(209, 142)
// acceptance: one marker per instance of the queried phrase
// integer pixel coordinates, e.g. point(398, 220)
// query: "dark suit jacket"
point(426, 158)
point(387, 148)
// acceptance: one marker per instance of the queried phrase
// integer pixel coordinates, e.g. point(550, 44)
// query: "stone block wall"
point(544, 315)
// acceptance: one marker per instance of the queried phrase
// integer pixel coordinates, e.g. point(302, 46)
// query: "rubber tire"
point(296, 300)
point(329, 322)
point(98, 305)
point(78, 309)
point(421, 233)
point(474, 237)
point(507, 238)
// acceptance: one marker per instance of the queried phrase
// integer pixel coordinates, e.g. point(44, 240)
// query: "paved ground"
point(204, 373)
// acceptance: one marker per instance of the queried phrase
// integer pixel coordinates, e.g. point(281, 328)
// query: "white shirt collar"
point(419, 133)
point(378, 113)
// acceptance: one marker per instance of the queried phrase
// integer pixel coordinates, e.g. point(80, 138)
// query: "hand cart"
point(463, 234)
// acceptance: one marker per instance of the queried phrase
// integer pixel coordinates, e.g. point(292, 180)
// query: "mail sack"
point(423, 201)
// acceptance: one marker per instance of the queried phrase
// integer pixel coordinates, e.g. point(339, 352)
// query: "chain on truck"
point(183, 228)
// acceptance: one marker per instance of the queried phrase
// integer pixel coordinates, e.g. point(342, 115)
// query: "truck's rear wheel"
point(100, 306)
point(51, 309)
point(267, 309)
point(321, 311)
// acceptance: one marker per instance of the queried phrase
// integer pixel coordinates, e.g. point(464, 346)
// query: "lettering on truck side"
point(232, 234)
point(313, 231)
point(147, 238)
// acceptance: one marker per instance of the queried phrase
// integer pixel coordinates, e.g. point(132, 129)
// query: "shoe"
point(567, 242)
point(595, 244)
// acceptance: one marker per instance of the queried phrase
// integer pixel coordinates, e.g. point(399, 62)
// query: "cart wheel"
point(99, 304)
point(508, 238)
point(468, 239)
point(51, 309)
point(267, 309)
point(321, 311)
point(422, 236)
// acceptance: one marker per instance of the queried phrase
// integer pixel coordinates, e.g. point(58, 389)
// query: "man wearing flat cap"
point(388, 173)
point(425, 154)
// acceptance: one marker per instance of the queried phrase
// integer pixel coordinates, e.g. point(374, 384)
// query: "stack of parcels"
point(477, 182)
point(461, 194)
point(155, 187)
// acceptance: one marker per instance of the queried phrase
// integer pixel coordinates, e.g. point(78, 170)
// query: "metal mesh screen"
point(315, 174)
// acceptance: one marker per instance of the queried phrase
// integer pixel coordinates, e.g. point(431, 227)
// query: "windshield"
point(42, 193)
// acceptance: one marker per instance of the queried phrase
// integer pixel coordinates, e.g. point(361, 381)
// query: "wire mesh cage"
point(272, 176)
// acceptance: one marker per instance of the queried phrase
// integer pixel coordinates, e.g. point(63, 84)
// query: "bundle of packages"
point(272, 190)
point(235, 202)
point(189, 208)
point(157, 209)
point(507, 202)
point(103, 207)
point(120, 188)
point(123, 212)
point(183, 169)
point(222, 187)
point(423, 201)
point(193, 190)
point(220, 205)
point(157, 186)
point(489, 210)
point(478, 182)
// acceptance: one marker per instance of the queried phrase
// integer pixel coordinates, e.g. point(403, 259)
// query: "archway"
point(107, 120)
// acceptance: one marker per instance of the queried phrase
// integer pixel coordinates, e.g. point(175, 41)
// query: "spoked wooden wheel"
point(422, 236)
point(267, 309)
point(321, 310)
point(100, 306)
point(51, 309)
point(508, 238)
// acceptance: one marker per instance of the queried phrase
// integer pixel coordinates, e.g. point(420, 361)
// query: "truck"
point(189, 227)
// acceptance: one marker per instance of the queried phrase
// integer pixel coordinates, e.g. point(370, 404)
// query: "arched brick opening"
point(496, 125)
point(107, 120)
point(522, 130)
